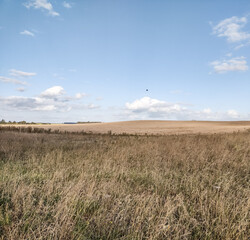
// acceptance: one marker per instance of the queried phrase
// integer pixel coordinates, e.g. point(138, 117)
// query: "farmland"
point(101, 186)
point(150, 127)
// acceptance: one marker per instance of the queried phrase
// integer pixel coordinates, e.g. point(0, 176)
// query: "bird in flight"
point(146, 90)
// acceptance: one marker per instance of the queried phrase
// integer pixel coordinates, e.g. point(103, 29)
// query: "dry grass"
point(65, 186)
point(150, 127)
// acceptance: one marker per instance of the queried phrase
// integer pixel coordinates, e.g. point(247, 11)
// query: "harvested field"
point(152, 127)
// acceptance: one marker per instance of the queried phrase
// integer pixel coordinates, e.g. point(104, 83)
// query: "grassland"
point(79, 186)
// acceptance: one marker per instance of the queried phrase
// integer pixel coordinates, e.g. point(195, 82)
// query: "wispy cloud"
point(242, 45)
point(12, 80)
point(92, 106)
point(231, 29)
point(234, 64)
point(229, 54)
point(43, 5)
point(67, 5)
point(21, 89)
point(28, 33)
point(17, 73)
point(58, 76)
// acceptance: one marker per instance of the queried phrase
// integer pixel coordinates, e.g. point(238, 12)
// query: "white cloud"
point(67, 5)
point(233, 114)
point(53, 92)
point(234, 64)
point(148, 108)
point(12, 80)
point(231, 29)
point(154, 107)
point(58, 93)
point(46, 108)
point(207, 110)
point(29, 103)
point(151, 105)
point(28, 33)
point(17, 73)
point(42, 4)
point(49, 100)
point(80, 95)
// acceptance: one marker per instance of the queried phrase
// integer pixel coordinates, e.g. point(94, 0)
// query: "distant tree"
point(2, 122)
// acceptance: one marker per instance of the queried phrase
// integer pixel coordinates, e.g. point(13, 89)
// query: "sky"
point(94, 60)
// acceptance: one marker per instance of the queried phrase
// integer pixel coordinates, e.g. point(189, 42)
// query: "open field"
point(67, 186)
point(152, 127)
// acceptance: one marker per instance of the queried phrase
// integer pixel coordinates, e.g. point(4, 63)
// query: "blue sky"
point(90, 60)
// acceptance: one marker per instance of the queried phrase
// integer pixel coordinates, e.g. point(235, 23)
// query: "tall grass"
point(65, 186)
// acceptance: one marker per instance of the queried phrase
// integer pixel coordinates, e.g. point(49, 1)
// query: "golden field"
point(152, 127)
point(100, 186)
